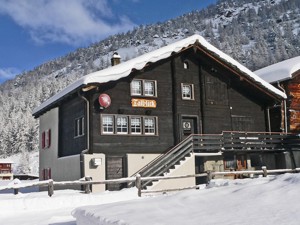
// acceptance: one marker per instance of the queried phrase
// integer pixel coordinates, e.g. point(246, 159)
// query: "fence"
point(50, 184)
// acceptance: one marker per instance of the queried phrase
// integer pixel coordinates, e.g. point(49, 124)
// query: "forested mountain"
point(257, 33)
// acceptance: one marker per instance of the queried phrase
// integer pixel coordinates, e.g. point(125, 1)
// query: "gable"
point(124, 69)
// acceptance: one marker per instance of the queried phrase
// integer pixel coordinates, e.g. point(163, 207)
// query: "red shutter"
point(49, 138)
point(49, 173)
point(43, 140)
point(44, 174)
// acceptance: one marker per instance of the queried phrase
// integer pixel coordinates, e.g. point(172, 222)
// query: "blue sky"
point(36, 31)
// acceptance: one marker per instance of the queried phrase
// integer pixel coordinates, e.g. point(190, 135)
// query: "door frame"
point(196, 124)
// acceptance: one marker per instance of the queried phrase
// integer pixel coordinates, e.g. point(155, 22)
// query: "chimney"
point(115, 59)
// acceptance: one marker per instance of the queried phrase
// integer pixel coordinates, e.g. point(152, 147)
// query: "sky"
point(36, 31)
point(265, 200)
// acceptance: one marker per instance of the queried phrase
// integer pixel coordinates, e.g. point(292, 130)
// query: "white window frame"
point(134, 127)
point(183, 95)
point(121, 128)
point(146, 129)
point(149, 92)
point(136, 90)
point(144, 85)
point(130, 127)
point(104, 131)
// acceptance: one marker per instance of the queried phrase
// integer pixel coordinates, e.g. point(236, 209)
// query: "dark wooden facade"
point(222, 100)
point(69, 112)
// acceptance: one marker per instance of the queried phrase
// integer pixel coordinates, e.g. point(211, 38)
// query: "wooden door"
point(114, 170)
point(188, 126)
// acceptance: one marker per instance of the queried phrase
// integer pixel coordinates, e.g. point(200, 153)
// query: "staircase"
point(167, 161)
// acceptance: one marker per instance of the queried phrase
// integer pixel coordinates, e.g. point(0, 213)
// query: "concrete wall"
point(96, 172)
point(137, 161)
point(297, 158)
point(186, 167)
point(214, 163)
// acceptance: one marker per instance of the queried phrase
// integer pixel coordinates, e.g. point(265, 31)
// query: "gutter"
point(284, 107)
point(82, 171)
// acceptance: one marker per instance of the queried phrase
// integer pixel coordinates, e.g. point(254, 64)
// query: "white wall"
point(96, 172)
point(186, 167)
point(64, 168)
point(137, 161)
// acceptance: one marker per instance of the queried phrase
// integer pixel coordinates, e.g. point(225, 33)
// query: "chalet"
point(6, 169)
point(187, 104)
point(286, 76)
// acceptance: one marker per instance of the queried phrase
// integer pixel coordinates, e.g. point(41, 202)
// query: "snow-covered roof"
point(6, 161)
point(280, 71)
point(124, 69)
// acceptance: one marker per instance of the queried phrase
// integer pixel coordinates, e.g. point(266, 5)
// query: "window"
point(149, 126)
point(187, 91)
point(136, 87)
point(126, 124)
point(136, 125)
point(46, 173)
point(46, 139)
point(186, 65)
point(149, 88)
point(229, 162)
point(108, 124)
point(122, 125)
point(143, 88)
point(79, 127)
point(43, 140)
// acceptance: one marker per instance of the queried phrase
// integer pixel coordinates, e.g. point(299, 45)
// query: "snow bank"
point(272, 200)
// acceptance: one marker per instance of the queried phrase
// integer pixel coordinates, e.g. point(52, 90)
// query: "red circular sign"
point(104, 100)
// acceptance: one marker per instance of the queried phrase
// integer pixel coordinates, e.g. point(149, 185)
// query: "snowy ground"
point(271, 200)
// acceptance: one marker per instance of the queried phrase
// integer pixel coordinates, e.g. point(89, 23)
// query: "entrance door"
point(188, 126)
point(114, 170)
point(241, 161)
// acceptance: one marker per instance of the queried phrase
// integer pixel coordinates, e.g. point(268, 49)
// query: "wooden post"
point(16, 191)
point(209, 177)
point(50, 188)
point(138, 184)
point(88, 186)
point(265, 172)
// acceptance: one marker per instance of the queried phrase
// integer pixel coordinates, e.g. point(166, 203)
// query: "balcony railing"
point(246, 141)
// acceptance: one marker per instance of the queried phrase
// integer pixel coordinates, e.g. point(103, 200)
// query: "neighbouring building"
point(187, 103)
point(6, 172)
point(285, 75)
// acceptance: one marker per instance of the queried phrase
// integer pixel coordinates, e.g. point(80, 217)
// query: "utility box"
point(97, 161)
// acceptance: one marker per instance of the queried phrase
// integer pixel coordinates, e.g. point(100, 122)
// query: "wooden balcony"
point(246, 141)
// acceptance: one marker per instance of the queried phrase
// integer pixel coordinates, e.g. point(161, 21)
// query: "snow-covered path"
point(274, 200)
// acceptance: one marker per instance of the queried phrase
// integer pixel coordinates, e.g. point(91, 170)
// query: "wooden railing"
point(242, 141)
point(138, 180)
point(225, 142)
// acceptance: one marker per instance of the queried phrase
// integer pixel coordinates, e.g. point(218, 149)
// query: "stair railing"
point(164, 162)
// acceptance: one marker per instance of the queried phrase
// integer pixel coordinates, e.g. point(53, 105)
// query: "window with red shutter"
point(48, 142)
point(43, 140)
